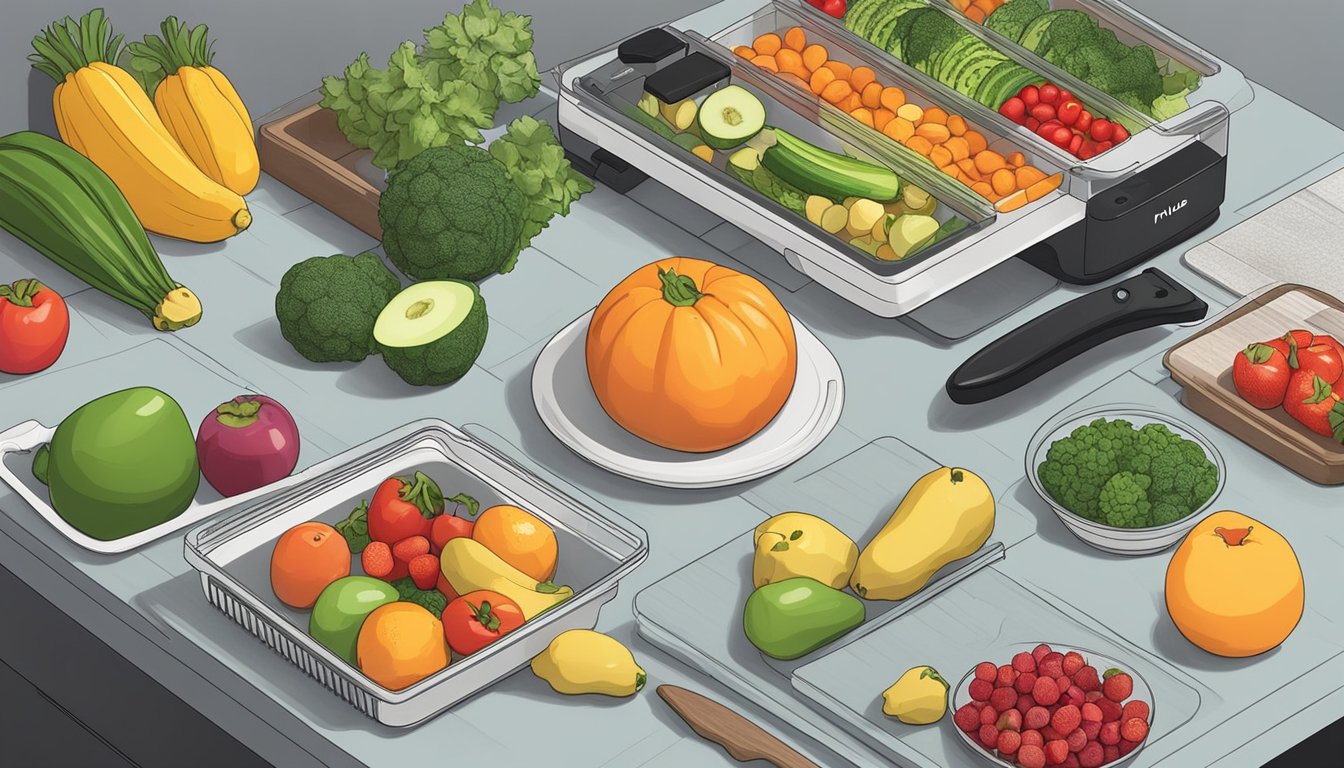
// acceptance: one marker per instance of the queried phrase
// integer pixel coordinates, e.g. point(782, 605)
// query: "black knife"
point(1148, 299)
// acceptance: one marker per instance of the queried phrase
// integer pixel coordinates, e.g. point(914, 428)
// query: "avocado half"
point(431, 333)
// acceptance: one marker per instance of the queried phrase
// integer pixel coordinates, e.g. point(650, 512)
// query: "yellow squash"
point(103, 114)
point(919, 697)
point(947, 515)
point(798, 544)
point(199, 106)
point(583, 661)
point(469, 566)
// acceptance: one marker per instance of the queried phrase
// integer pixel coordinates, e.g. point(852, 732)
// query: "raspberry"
point(967, 718)
point(1091, 756)
point(1046, 691)
point(1073, 661)
point(1025, 702)
point(1036, 718)
point(1087, 679)
point(1064, 684)
point(1039, 652)
point(1005, 677)
point(1109, 734)
point(1117, 686)
point(1009, 721)
point(1056, 751)
point(1092, 696)
point(1077, 740)
point(1024, 662)
point(1109, 710)
point(1052, 665)
point(1066, 719)
point(1127, 746)
point(988, 715)
point(1134, 730)
point(980, 689)
point(1030, 756)
point(989, 736)
point(377, 560)
point(1109, 754)
point(1025, 681)
point(1003, 699)
point(1033, 739)
point(986, 671)
point(1136, 708)
point(1091, 712)
point(424, 571)
point(1075, 696)
point(409, 548)
point(1009, 741)
point(1091, 728)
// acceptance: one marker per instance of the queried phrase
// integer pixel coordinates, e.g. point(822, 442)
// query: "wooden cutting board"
point(1202, 365)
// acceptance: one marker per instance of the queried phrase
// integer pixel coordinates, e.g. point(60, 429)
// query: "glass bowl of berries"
point(1053, 706)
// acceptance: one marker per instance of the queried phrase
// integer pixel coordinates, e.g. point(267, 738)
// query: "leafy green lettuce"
point(537, 164)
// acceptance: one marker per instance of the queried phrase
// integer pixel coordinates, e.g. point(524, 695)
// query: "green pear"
point(341, 609)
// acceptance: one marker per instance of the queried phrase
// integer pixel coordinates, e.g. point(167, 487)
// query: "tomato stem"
point(678, 290)
point(238, 415)
point(424, 493)
point(21, 292)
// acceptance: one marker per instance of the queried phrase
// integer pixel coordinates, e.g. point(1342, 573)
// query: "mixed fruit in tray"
point(1301, 371)
point(946, 140)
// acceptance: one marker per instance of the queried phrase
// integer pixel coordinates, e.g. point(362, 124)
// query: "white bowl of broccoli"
point(1125, 479)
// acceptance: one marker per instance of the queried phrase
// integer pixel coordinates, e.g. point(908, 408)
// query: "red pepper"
point(403, 508)
point(34, 326)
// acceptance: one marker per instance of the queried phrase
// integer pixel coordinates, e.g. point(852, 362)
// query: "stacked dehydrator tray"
point(1108, 214)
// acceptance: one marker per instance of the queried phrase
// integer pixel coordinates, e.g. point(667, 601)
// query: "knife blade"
point(743, 739)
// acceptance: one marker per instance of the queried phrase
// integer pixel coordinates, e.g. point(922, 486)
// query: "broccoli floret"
point(1131, 77)
point(1124, 501)
point(327, 305)
point(1076, 467)
point(1069, 30)
point(1011, 18)
point(431, 600)
point(451, 213)
point(1166, 512)
point(1181, 474)
point(931, 33)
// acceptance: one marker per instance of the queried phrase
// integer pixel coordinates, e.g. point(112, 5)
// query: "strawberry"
point(1136, 708)
point(1030, 756)
point(1003, 699)
point(1313, 402)
point(1110, 711)
point(1024, 662)
point(1025, 682)
point(1031, 738)
point(424, 570)
point(986, 671)
point(1056, 751)
point(989, 715)
point(1092, 696)
point(1090, 713)
point(1008, 742)
point(1091, 756)
point(1076, 739)
point(1110, 733)
point(410, 548)
point(1110, 753)
point(1074, 695)
point(1070, 762)
point(1134, 730)
point(1040, 652)
point(447, 527)
point(1051, 666)
point(1046, 691)
point(1010, 720)
point(1066, 719)
point(989, 736)
point(1127, 746)
point(967, 718)
point(1006, 676)
point(377, 560)
point(980, 689)
point(1036, 718)
point(1025, 702)
point(1091, 729)
point(1261, 373)
point(1117, 686)
point(1087, 679)
point(1073, 661)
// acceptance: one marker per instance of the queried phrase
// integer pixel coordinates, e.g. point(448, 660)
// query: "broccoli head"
point(451, 213)
point(930, 34)
point(1182, 475)
point(431, 600)
point(1123, 501)
point(1069, 30)
point(1076, 467)
point(1011, 18)
point(327, 305)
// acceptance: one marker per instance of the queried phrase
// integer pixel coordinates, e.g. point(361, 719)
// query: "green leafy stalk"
point(424, 493)
point(68, 45)
point(176, 46)
point(537, 165)
point(355, 528)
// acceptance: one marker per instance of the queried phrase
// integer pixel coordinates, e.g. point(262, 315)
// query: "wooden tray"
point(307, 152)
point(1202, 365)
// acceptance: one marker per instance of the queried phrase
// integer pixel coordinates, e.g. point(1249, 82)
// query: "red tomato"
point(1043, 112)
point(1014, 109)
point(1329, 340)
point(1300, 337)
point(1087, 150)
point(834, 8)
point(1030, 96)
point(1322, 360)
point(478, 619)
point(1032, 124)
point(402, 508)
point(1119, 133)
point(34, 325)
point(1050, 93)
point(1062, 136)
point(1260, 374)
point(447, 527)
point(1102, 130)
point(1069, 112)
point(1084, 122)
point(1076, 143)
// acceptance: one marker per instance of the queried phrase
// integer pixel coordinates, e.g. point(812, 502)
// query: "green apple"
point(341, 609)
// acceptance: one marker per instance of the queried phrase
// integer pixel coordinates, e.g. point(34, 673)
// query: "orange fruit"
point(401, 644)
point(520, 538)
point(306, 559)
point(1234, 586)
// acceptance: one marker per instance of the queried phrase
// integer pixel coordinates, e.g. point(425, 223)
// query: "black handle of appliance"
point(1146, 300)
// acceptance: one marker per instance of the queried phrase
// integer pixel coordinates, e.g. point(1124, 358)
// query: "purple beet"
point(246, 443)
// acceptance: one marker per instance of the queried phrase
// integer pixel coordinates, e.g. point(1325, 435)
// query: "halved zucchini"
point(731, 116)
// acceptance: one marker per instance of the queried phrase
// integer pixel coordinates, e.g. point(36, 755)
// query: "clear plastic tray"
point(844, 47)
point(597, 549)
point(618, 87)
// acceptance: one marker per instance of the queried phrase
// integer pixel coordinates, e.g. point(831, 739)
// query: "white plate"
point(565, 401)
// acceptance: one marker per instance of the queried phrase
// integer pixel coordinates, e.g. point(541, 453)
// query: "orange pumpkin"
point(1234, 586)
point(690, 355)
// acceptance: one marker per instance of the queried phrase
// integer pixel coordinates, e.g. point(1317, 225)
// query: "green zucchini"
point(60, 203)
point(819, 172)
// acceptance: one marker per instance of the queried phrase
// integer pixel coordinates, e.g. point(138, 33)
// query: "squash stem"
point(238, 415)
point(678, 290)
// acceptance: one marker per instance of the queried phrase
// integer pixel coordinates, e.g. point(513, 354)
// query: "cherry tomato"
point(1087, 150)
point(1105, 145)
point(1062, 136)
point(1084, 121)
point(34, 325)
point(816, 3)
point(1064, 96)
point(1043, 112)
point(1102, 129)
point(834, 8)
point(1014, 109)
point(1047, 130)
point(1075, 143)
point(1050, 93)
point(1118, 133)
point(477, 619)
point(1032, 124)
point(1030, 95)
point(446, 527)
point(1069, 112)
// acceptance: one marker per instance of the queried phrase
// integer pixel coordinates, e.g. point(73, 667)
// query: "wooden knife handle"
point(743, 739)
